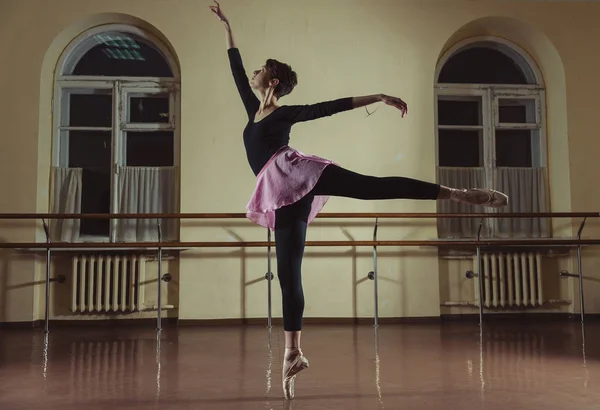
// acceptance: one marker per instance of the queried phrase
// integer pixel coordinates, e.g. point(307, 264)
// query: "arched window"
point(490, 133)
point(116, 135)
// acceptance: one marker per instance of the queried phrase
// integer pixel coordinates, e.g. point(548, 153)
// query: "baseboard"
point(19, 325)
point(524, 317)
point(465, 318)
point(174, 322)
point(307, 321)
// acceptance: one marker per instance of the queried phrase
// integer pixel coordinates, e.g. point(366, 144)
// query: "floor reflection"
point(542, 365)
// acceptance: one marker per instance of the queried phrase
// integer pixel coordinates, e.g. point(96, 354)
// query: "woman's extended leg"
point(337, 181)
point(290, 236)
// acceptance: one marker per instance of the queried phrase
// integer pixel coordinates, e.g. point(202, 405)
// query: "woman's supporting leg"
point(337, 181)
point(290, 236)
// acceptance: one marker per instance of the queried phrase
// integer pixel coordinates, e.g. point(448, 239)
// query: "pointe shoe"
point(291, 367)
point(480, 196)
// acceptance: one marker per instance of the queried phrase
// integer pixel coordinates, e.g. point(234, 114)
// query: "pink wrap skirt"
point(285, 179)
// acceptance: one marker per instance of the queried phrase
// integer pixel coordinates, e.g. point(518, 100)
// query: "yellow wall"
point(339, 48)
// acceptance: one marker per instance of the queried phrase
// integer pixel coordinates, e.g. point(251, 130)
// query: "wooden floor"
point(418, 366)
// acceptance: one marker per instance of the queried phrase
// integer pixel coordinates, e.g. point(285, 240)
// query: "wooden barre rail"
point(321, 215)
point(257, 244)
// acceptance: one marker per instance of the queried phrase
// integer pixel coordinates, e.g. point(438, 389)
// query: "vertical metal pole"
point(580, 269)
point(480, 274)
point(159, 282)
point(269, 278)
point(375, 275)
point(47, 308)
point(480, 277)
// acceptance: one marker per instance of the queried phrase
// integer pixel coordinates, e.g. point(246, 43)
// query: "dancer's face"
point(260, 79)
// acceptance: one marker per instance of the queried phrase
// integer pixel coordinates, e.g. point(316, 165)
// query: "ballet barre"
point(159, 246)
point(322, 215)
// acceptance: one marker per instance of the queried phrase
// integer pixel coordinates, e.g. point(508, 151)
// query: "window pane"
point(458, 148)
point(514, 148)
point(150, 149)
point(89, 108)
point(149, 108)
point(463, 111)
point(513, 111)
point(95, 200)
point(482, 65)
point(91, 150)
point(122, 54)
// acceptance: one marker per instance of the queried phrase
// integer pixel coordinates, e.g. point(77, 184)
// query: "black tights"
point(291, 222)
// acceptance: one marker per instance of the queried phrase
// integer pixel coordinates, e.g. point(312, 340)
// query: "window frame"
point(539, 96)
point(121, 87)
point(485, 119)
point(490, 95)
point(489, 109)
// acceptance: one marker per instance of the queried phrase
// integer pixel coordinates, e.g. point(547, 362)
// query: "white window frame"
point(121, 88)
point(490, 95)
point(485, 126)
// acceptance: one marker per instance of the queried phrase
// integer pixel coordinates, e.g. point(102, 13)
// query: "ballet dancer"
point(292, 187)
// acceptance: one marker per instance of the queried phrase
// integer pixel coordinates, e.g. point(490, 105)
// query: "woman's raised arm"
point(250, 101)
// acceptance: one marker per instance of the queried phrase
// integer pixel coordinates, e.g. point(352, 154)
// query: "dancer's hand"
point(395, 102)
point(216, 9)
point(218, 12)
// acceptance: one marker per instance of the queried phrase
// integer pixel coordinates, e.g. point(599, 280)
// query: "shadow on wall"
point(11, 282)
point(245, 269)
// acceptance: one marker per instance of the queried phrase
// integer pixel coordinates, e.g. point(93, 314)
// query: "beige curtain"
point(527, 189)
point(147, 190)
point(460, 227)
point(66, 193)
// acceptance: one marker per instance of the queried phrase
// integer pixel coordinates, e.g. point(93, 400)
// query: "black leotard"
point(264, 138)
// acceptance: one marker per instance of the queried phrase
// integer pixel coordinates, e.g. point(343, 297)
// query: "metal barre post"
point(269, 279)
point(480, 273)
point(376, 324)
point(159, 282)
point(47, 308)
point(580, 269)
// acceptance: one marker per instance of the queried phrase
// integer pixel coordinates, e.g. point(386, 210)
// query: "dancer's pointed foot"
point(479, 196)
point(293, 363)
